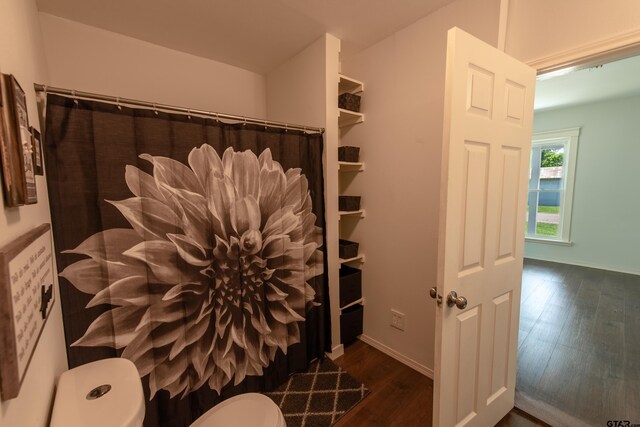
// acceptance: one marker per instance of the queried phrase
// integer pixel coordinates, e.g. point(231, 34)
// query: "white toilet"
point(246, 410)
point(108, 393)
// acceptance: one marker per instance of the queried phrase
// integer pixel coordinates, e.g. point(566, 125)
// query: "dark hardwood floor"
point(399, 395)
point(579, 345)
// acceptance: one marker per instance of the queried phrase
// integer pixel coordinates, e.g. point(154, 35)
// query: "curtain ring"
point(155, 110)
point(217, 118)
point(189, 114)
point(75, 98)
point(118, 103)
point(245, 121)
point(265, 125)
point(286, 127)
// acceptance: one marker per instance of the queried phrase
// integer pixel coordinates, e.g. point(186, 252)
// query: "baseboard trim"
point(590, 265)
point(427, 372)
point(336, 352)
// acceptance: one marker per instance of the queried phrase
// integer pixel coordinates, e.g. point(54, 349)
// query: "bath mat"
point(318, 397)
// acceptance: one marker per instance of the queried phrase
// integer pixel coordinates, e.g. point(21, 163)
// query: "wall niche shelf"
point(349, 85)
point(349, 118)
point(351, 166)
point(359, 213)
point(359, 258)
point(360, 301)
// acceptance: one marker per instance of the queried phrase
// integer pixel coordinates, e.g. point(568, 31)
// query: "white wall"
point(296, 89)
point(606, 206)
point(21, 54)
point(86, 58)
point(540, 28)
point(400, 144)
point(303, 90)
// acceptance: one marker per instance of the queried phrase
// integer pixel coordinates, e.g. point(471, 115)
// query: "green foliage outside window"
point(551, 158)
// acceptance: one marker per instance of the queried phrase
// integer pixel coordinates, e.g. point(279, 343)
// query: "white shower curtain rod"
point(169, 108)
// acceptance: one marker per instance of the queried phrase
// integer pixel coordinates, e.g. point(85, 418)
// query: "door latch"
point(433, 293)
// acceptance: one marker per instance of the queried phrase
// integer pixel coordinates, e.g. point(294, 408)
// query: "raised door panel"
point(507, 231)
point(468, 327)
point(474, 194)
point(501, 307)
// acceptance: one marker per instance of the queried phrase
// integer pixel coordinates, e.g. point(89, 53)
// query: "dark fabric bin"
point(349, 203)
point(349, 101)
point(347, 249)
point(348, 154)
point(351, 323)
point(350, 285)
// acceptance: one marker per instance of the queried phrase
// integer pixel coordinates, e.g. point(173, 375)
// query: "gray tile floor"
point(579, 344)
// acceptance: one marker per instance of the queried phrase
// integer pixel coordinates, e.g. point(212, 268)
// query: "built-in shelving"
point(359, 301)
point(350, 314)
point(349, 118)
point(349, 85)
point(351, 166)
point(359, 213)
point(359, 258)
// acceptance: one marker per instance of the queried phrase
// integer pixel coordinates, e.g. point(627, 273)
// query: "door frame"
point(590, 54)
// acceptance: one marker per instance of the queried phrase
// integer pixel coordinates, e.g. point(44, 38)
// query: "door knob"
point(454, 299)
point(433, 293)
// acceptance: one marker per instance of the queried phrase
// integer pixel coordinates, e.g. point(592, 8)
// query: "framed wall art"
point(18, 174)
point(26, 298)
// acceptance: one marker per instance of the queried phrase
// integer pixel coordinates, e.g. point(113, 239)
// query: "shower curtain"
point(193, 247)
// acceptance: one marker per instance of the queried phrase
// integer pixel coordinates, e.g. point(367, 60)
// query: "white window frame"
point(568, 137)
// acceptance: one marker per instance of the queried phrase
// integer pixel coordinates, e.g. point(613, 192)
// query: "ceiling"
point(611, 80)
point(256, 35)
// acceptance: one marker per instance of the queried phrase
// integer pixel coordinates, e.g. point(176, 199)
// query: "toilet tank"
point(105, 393)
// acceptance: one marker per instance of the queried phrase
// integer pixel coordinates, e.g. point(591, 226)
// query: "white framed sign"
point(26, 298)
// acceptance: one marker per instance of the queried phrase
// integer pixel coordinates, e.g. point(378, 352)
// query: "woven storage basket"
point(347, 249)
point(351, 323)
point(348, 154)
point(349, 101)
point(349, 203)
point(350, 285)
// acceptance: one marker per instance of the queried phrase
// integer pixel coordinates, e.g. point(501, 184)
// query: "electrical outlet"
point(397, 320)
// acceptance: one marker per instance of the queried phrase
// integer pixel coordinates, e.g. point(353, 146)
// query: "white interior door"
point(487, 139)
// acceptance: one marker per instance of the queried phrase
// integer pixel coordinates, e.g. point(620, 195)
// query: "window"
point(551, 178)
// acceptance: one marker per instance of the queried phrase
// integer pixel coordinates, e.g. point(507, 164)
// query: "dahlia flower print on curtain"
point(211, 278)
point(193, 247)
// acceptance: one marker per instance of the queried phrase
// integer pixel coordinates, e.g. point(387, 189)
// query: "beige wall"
point(21, 54)
point(400, 144)
point(540, 28)
point(86, 58)
point(296, 89)
point(303, 90)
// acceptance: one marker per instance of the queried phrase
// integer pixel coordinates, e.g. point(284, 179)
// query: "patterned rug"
point(318, 397)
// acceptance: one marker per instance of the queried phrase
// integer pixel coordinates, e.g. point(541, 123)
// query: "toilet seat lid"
point(244, 410)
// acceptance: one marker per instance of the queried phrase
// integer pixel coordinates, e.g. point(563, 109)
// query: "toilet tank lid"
point(79, 401)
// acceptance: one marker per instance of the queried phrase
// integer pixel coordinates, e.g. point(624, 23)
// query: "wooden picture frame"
point(19, 180)
point(26, 297)
point(36, 149)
